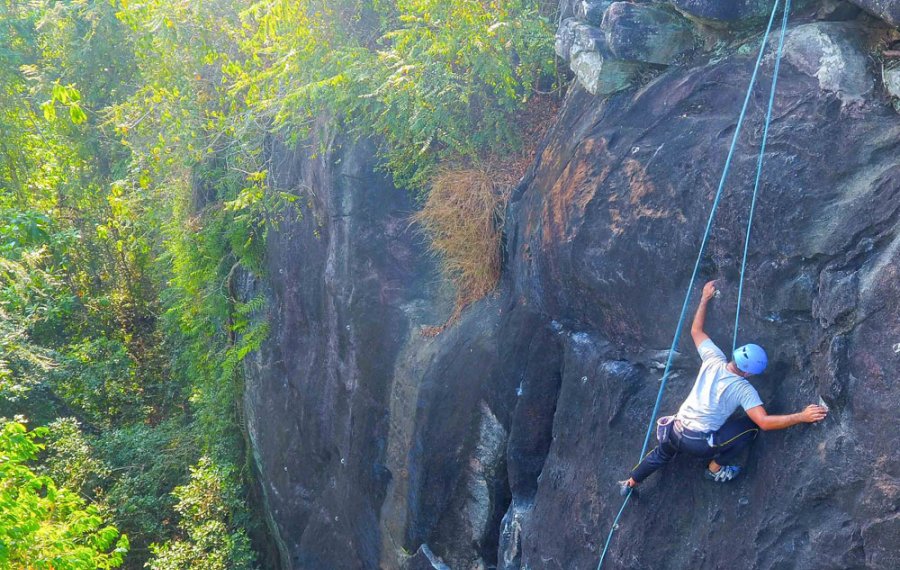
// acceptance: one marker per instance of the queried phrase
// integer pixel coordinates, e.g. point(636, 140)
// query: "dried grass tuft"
point(464, 214)
point(463, 219)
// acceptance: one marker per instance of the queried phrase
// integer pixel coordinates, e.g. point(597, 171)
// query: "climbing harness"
point(709, 223)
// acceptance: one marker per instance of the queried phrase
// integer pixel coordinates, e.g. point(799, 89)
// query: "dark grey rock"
point(647, 32)
point(591, 11)
point(587, 38)
point(887, 10)
point(833, 53)
point(621, 208)
point(838, 295)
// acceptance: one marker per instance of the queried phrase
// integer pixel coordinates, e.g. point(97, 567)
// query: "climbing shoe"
point(724, 474)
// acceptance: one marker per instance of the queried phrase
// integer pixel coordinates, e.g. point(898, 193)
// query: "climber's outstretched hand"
point(813, 413)
point(709, 290)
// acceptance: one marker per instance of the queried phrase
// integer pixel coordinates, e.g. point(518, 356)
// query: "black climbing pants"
point(728, 441)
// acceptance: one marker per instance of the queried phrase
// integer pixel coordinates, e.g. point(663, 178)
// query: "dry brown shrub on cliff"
point(464, 213)
point(463, 219)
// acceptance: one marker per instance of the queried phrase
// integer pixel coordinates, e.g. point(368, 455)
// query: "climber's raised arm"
point(812, 413)
point(697, 332)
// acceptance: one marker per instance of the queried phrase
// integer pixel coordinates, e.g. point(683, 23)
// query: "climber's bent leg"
point(659, 456)
point(731, 439)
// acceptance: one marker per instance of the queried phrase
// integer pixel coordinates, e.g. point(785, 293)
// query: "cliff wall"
point(498, 443)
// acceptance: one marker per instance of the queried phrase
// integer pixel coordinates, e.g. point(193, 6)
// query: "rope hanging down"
point(759, 168)
point(706, 233)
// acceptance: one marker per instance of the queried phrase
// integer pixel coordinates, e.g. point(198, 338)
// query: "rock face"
point(346, 283)
point(498, 443)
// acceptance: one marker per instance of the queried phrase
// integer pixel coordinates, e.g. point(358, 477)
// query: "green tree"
point(210, 539)
point(43, 526)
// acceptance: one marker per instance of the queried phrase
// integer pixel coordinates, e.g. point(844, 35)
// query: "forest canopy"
point(134, 187)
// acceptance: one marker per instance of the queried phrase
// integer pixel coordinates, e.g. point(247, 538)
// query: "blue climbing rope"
point(759, 168)
point(706, 234)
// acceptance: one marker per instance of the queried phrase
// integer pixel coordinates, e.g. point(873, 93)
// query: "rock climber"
point(701, 427)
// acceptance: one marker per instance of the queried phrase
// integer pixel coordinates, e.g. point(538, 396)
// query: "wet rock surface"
point(498, 443)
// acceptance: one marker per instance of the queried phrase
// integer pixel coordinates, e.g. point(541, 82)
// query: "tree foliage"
point(43, 526)
point(431, 79)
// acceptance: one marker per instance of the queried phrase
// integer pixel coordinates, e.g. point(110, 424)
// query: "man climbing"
point(701, 427)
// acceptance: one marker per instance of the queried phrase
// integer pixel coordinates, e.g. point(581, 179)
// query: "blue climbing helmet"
point(751, 358)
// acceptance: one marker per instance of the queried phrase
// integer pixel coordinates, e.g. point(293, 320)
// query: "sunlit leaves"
point(434, 80)
point(43, 526)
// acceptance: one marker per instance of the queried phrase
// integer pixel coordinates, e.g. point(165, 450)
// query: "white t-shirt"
point(716, 393)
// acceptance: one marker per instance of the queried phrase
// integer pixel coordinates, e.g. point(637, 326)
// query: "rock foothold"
point(591, 11)
point(646, 32)
point(424, 559)
point(832, 53)
point(887, 10)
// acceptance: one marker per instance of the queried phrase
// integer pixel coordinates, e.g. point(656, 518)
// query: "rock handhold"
point(646, 32)
point(591, 11)
point(887, 10)
point(831, 52)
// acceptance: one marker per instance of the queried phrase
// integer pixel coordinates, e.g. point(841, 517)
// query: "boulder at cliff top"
point(646, 32)
point(565, 37)
point(832, 53)
point(887, 10)
point(730, 12)
point(591, 11)
point(574, 37)
point(601, 74)
point(595, 66)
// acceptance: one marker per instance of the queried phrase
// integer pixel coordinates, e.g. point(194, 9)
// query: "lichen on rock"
point(832, 52)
